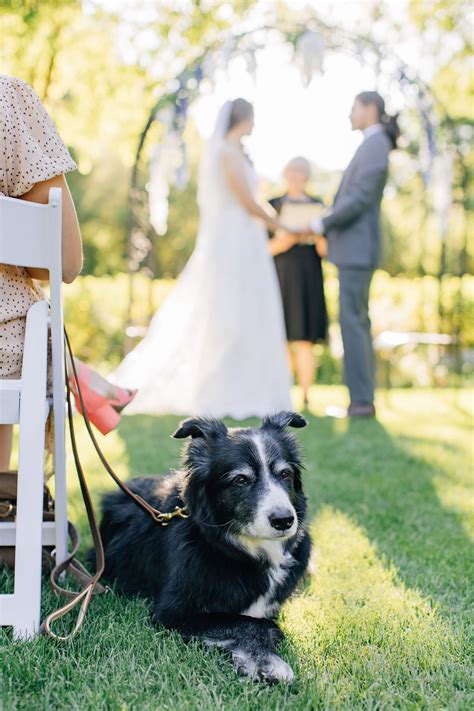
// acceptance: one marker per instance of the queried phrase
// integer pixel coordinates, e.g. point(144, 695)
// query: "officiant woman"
point(301, 280)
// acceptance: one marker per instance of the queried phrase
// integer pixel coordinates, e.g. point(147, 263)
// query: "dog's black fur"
point(211, 576)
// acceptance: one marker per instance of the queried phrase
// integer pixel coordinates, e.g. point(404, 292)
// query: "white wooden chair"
point(30, 236)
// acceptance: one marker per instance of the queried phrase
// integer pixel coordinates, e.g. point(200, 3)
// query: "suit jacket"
point(353, 227)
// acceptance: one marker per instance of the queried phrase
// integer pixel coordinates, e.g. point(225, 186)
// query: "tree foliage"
point(99, 73)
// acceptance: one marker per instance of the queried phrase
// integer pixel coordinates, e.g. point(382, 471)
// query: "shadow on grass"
point(362, 636)
point(372, 477)
point(360, 469)
point(150, 445)
point(365, 630)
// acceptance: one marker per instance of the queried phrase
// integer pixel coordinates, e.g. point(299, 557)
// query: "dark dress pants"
point(359, 363)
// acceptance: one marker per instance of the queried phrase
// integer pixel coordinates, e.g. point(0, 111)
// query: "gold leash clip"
point(179, 512)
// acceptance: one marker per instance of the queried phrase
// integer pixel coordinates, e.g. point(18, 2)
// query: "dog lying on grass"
point(222, 574)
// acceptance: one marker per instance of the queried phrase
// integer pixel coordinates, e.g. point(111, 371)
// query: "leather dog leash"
point(160, 517)
point(92, 585)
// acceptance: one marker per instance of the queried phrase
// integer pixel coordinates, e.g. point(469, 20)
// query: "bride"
point(216, 346)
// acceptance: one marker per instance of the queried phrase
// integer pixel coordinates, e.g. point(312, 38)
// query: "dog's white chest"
point(266, 605)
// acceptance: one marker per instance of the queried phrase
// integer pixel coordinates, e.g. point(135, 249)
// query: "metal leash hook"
point(179, 512)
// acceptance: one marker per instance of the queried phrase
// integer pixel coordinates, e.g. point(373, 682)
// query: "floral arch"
point(435, 149)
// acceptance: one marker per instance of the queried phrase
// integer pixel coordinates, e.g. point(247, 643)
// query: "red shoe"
point(98, 409)
point(124, 398)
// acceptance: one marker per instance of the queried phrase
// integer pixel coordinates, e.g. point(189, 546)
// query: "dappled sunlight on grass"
point(433, 409)
point(383, 622)
point(357, 625)
point(453, 498)
point(440, 441)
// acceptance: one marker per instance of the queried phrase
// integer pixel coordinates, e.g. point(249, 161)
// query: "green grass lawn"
point(384, 620)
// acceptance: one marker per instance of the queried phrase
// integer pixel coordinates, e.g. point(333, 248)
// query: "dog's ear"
point(284, 419)
point(206, 427)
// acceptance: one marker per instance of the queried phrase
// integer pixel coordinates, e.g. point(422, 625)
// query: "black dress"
point(302, 290)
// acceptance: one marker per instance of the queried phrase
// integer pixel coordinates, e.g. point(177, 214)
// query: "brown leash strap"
point(74, 567)
point(160, 517)
point(92, 585)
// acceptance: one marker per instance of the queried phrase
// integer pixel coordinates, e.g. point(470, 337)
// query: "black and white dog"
point(221, 575)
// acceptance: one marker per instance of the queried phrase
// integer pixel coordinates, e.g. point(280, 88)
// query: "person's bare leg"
point(6, 433)
point(305, 366)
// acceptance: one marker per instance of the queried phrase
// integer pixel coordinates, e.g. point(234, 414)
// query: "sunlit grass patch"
point(356, 618)
point(384, 621)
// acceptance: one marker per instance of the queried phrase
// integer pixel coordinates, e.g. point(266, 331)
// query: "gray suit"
point(353, 232)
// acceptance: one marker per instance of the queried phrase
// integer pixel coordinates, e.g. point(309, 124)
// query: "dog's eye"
point(286, 474)
point(240, 480)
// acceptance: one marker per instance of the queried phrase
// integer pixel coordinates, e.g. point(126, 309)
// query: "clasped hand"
point(299, 233)
point(287, 237)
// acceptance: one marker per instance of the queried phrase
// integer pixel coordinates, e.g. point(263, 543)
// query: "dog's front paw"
point(275, 669)
point(269, 668)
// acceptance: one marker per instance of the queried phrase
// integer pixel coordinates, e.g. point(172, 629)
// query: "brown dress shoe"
point(361, 409)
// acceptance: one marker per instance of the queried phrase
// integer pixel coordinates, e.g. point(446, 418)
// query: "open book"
point(298, 215)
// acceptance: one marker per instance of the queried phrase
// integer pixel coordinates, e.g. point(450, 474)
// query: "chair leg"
point(60, 509)
point(29, 520)
point(28, 556)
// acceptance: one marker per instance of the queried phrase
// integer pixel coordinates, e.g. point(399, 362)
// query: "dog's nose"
point(281, 520)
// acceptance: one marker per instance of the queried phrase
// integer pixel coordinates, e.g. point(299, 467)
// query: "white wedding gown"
point(217, 345)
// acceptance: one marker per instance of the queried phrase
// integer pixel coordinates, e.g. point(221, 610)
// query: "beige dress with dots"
point(31, 151)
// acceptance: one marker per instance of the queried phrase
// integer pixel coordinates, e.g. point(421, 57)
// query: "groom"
point(353, 232)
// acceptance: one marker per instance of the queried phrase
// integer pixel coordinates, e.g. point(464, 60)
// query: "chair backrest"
point(31, 236)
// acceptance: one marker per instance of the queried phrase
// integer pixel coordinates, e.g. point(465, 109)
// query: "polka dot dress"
point(31, 151)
